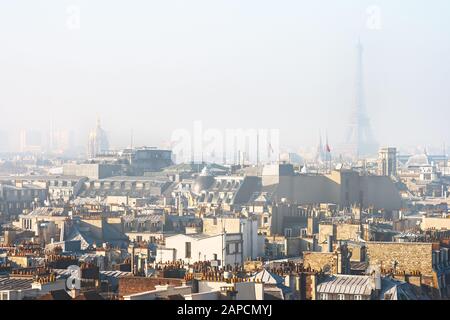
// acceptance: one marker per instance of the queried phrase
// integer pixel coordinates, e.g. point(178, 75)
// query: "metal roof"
point(15, 284)
point(268, 277)
point(346, 284)
point(143, 218)
point(114, 274)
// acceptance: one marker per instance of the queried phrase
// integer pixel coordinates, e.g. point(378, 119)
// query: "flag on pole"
point(327, 147)
point(328, 156)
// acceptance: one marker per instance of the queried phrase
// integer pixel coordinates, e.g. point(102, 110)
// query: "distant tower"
point(98, 141)
point(387, 162)
point(30, 141)
point(320, 154)
point(359, 140)
point(52, 136)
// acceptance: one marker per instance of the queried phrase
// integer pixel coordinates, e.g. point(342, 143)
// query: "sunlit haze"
point(152, 67)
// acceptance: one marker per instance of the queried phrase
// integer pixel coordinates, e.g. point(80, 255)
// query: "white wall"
point(245, 290)
point(207, 286)
point(248, 228)
point(250, 237)
point(18, 294)
point(211, 295)
point(50, 286)
point(166, 255)
point(249, 291)
point(204, 248)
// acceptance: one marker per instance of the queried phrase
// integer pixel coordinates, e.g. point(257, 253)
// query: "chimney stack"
point(74, 293)
point(330, 243)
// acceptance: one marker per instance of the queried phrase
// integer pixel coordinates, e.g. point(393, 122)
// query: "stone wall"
point(340, 231)
point(433, 223)
point(347, 231)
point(324, 231)
point(317, 261)
point(410, 257)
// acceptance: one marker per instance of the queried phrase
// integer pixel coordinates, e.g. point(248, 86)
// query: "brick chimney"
point(74, 293)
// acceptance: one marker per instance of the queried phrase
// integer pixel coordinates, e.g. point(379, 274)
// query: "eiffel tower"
point(359, 140)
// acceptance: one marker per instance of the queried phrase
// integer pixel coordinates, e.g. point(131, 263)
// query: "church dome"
point(98, 141)
point(419, 160)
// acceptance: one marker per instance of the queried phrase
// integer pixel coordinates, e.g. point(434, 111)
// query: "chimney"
point(376, 282)
point(74, 293)
point(133, 260)
point(315, 243)
point(300, 286)
point(330, 243)
point(445, 256)
point(314, 286)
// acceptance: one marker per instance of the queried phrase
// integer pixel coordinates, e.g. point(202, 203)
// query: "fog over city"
point(153, 67)
point(224, 155)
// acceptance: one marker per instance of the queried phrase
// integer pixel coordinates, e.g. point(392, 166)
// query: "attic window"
point(323, 296)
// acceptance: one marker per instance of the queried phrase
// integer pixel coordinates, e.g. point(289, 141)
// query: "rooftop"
point(15, 284)
point(346, 284)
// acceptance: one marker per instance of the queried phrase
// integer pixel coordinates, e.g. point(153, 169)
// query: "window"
point(266, 219)
point(358, 297)
point(228, 248)
point(288, 232)
point(215, 256)
point(341, 296)
point(324, 296)
point(236, 248)
point(188, 250)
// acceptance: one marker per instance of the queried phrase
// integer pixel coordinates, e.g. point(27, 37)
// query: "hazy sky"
point(157, 66)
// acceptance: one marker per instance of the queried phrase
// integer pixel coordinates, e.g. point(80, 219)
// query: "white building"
point(253, 243)
point(222, 249)
point(207, 290)
point(387, 162)
point(428, 173)
point(221, 290)
point(19, 289)
point(160, 292)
